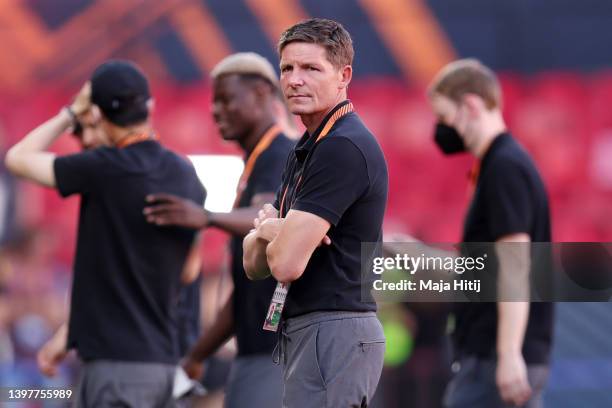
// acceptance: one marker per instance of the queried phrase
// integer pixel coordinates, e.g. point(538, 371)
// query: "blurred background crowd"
point(555, 65)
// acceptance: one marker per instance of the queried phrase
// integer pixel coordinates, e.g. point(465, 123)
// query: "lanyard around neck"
point(344, 110)
point(135, 138)
point(262, 145)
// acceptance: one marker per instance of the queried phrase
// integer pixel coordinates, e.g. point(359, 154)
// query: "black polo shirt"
point(343, 179)
point(251, 298)
point(126, 271)
point(510, 197)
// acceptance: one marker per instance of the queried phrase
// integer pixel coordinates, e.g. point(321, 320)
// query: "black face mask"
point(448, 140)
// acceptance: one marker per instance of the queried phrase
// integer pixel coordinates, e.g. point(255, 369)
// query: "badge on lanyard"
point(275, 310)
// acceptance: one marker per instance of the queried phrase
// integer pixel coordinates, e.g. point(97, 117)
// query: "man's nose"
point(87, 140)
point(216, 110)
point(295, 79)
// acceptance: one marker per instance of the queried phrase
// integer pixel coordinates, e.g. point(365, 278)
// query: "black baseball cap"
point(121, 91)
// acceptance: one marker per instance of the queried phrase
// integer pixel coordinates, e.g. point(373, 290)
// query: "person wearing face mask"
point(501, 349)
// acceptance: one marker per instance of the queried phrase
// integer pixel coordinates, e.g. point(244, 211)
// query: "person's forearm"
point(255, 261)
point(511, 326)
point(193, 263)
point(513, 295)
point(238, 222)
point(220, 332)
point(29, 158)
point(44, 135)
point(60, 338)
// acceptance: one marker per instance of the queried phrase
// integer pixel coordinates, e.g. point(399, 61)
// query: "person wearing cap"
point(245, 89)
point(89, 134)
point(126, 272)
point(332, 199)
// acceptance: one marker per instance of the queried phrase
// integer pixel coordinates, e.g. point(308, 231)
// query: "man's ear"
point(346, 74)
point(262, 91)
point(151, 105)
point(96, 113)
point(474, 103)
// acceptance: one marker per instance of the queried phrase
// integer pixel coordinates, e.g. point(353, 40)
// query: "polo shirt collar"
point(308, 141)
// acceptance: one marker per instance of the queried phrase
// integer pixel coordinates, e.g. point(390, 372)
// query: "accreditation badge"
point(275, 309)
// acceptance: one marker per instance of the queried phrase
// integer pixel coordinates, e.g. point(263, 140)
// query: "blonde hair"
point(248, 64)
point(467, 76)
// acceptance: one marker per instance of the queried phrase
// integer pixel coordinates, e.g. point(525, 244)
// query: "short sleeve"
point(509, 200)
point(77, 173)
point(277, 198)
point(335, 177)
point(268, 172)
point(199, 193)
point(283, 182)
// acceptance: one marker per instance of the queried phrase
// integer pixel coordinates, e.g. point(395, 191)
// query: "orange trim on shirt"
point(262, 145)
point(130, 140)
point(473, 175)
point(344, 110)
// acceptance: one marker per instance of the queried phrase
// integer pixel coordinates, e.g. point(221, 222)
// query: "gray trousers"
point(254, 381)
point(473, 385)
point(125, 385)
point(331, 359)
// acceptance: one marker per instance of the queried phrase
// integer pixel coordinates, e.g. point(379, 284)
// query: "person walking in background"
point(501, 349)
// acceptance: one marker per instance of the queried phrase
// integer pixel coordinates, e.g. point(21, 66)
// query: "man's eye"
point(285, 69)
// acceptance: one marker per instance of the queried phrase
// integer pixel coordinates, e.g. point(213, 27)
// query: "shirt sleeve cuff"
point(58, 172)
point(504, 231)
point(317, 210)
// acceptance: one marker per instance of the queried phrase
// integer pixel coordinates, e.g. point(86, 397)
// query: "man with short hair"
point(502, 349)
point(245, 88)
point(127, 271)
point(332, 199)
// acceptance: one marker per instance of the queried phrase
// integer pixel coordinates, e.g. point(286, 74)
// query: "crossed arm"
point(282, 247)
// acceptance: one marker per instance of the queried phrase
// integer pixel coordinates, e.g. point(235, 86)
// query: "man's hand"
point(266, 212)
point(49, 357)
point(193, 368)
point(167, 209)
point(269, 228)
point(53, 352)
point(82, 101)
point(511, 379)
